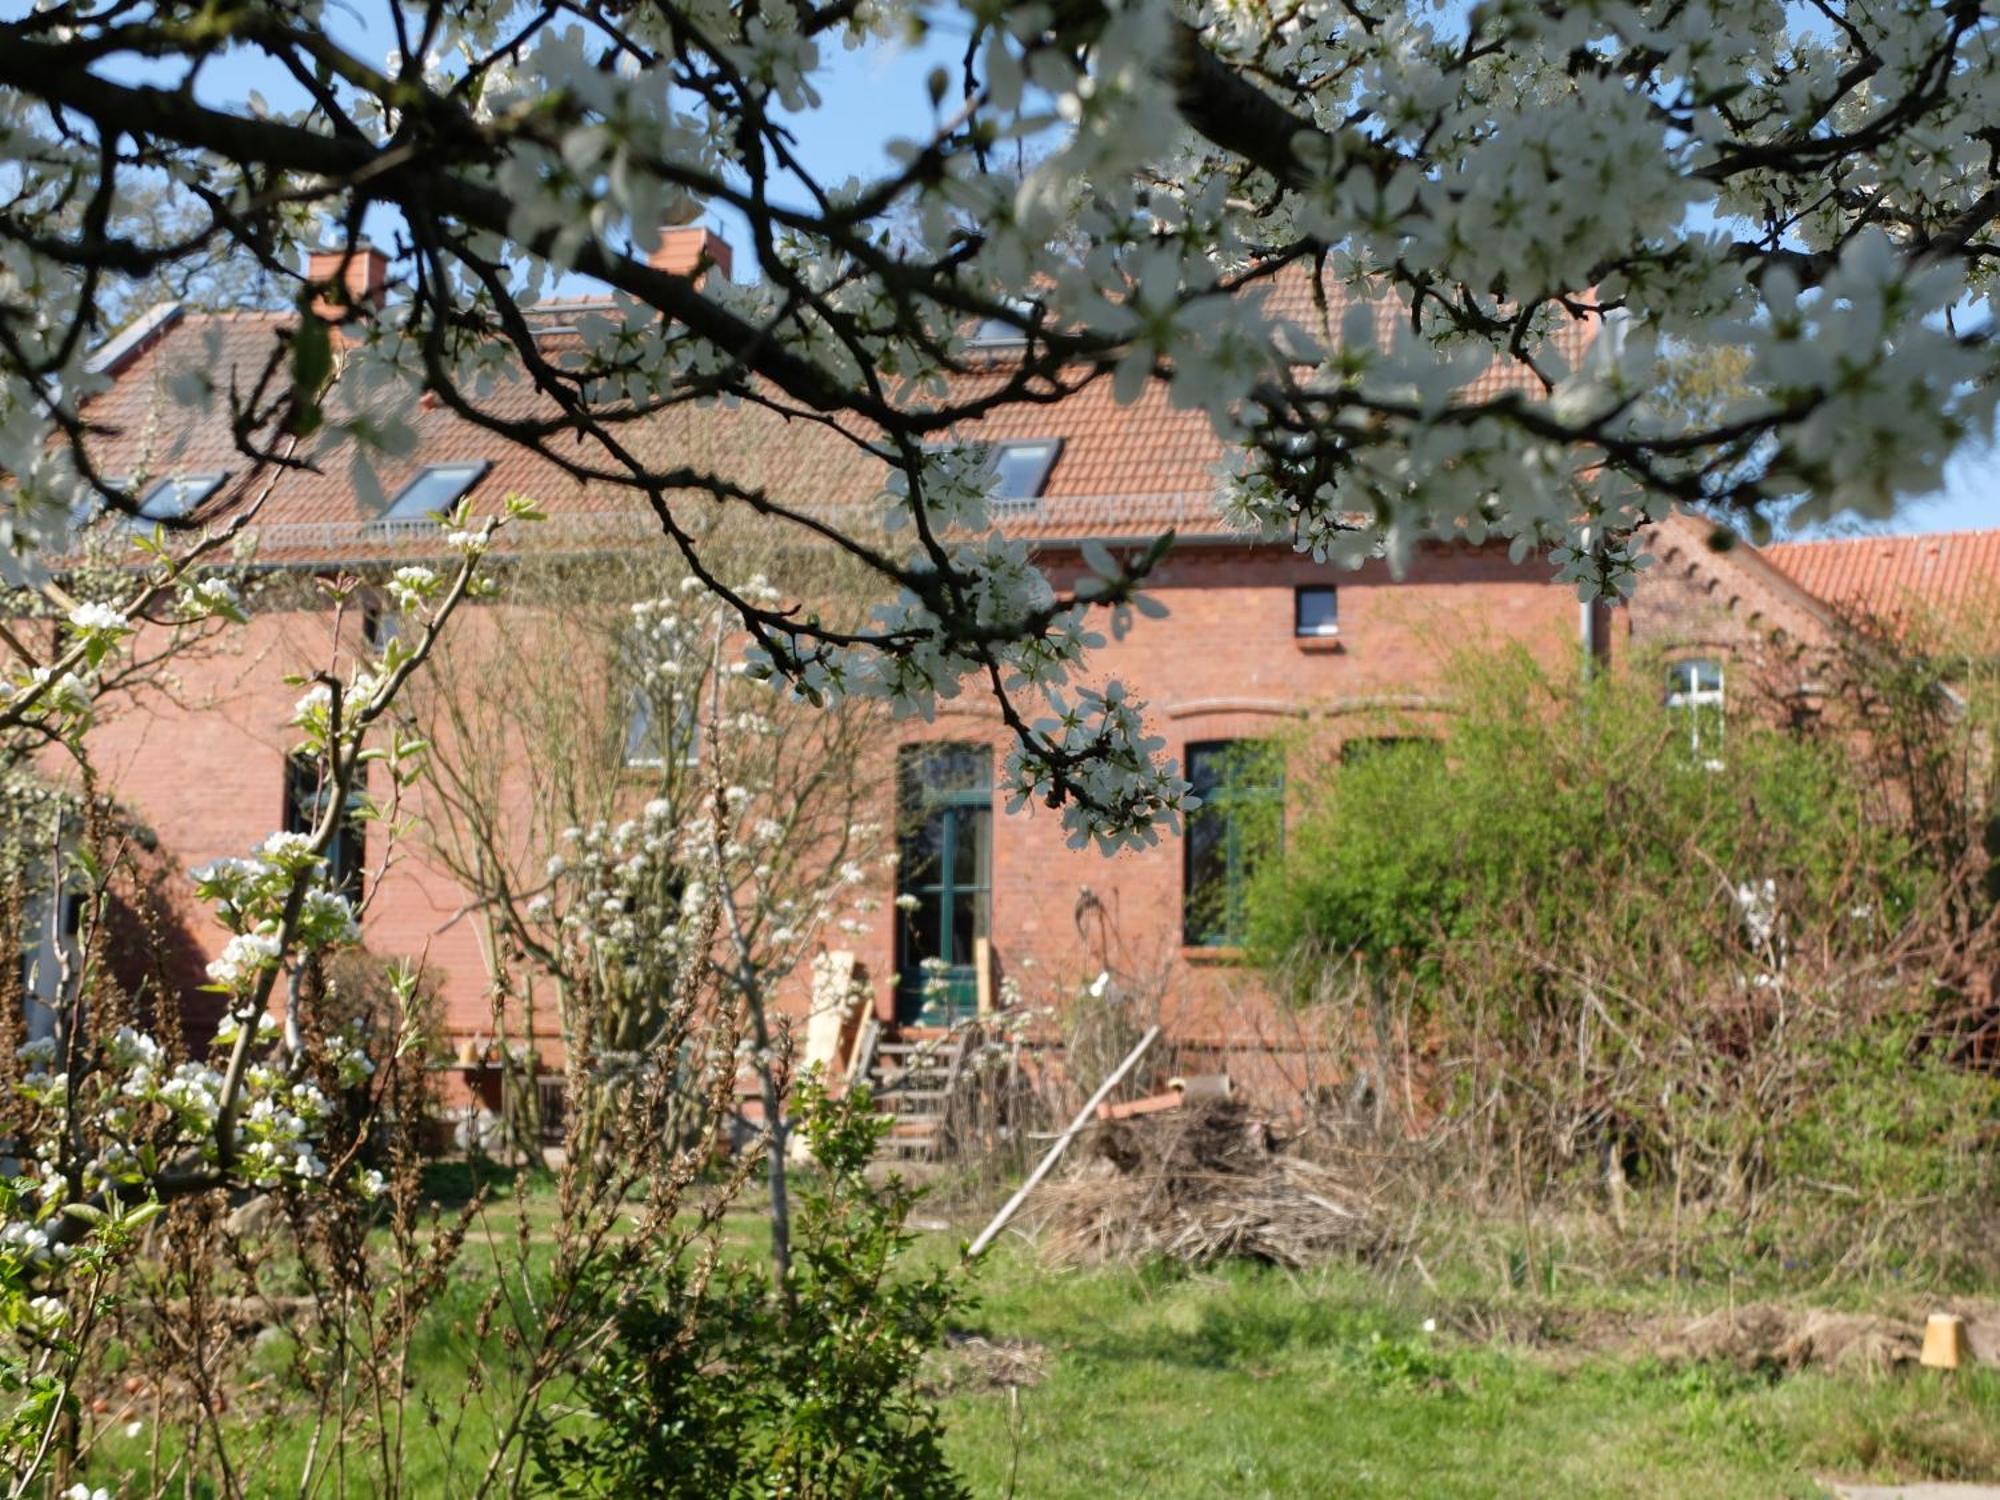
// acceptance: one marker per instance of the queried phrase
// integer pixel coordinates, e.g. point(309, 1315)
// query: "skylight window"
point(999, 332)
point(436, 488)
point(1021, 470)
point(171, 499)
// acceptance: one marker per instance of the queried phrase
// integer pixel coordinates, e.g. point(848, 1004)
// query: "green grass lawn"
point(1257, 1383)
point(1250, 1382)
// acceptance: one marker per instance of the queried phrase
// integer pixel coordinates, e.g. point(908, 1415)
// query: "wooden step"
point(913, 1079)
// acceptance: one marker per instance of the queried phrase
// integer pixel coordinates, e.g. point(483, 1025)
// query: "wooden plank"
point(864, 1052)
point(1047, 1163)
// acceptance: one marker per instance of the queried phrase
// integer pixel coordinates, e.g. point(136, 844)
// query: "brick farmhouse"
point(1257, 637)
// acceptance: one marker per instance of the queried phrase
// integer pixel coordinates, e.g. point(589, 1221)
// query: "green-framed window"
point(1241, 784)
point(944, 879)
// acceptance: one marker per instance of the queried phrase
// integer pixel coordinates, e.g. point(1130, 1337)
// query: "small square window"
point(1021, 470)
point(172, 499)
point(436, 488)
point(1315, 611)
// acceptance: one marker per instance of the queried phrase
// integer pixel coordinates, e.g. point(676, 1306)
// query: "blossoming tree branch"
point(1567, 194)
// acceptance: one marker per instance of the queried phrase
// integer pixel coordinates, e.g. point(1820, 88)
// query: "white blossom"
point(243, 958)
point(98, 620)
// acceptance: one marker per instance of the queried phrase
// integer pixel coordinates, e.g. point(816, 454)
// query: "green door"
point(944, 835)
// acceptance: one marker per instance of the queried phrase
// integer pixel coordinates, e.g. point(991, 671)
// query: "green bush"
point(721, 1386)
point(1894, 1118)
point(1711, 987)
point(1548, 798)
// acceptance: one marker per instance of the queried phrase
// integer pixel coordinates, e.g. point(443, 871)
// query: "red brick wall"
point(204, 766)
point(1225, 664)
point(1732, 607)
point(199, 762)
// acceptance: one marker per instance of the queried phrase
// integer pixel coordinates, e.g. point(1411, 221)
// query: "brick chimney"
point(362, 274)
point(690, 252)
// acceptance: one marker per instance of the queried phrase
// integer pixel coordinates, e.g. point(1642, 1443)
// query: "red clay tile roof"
point(1130, 470)
point(1127, 470)
point(1947, 571)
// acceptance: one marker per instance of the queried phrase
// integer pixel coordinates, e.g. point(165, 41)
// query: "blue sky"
point(877, 94)
point(1970, 498)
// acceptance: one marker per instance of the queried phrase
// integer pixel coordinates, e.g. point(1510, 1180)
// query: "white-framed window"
point(1695, 693)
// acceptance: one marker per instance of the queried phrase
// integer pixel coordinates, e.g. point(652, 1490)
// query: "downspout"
point(1593, 622)
point(1593, 625)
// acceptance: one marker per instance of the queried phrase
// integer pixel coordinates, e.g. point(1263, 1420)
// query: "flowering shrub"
point(110, 1122)
point(664, 786)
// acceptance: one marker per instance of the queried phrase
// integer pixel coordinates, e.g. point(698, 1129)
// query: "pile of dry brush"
point(1204, 1183)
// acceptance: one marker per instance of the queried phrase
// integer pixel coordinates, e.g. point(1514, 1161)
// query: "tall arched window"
point(944, 878)
point(1241, 784)
point(306, 791)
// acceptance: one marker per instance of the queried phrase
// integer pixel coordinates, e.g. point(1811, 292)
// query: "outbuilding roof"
point(1945, 571)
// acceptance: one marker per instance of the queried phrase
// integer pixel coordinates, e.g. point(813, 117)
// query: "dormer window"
point(173, 499)
point(436, 488)
point(1021, 470)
